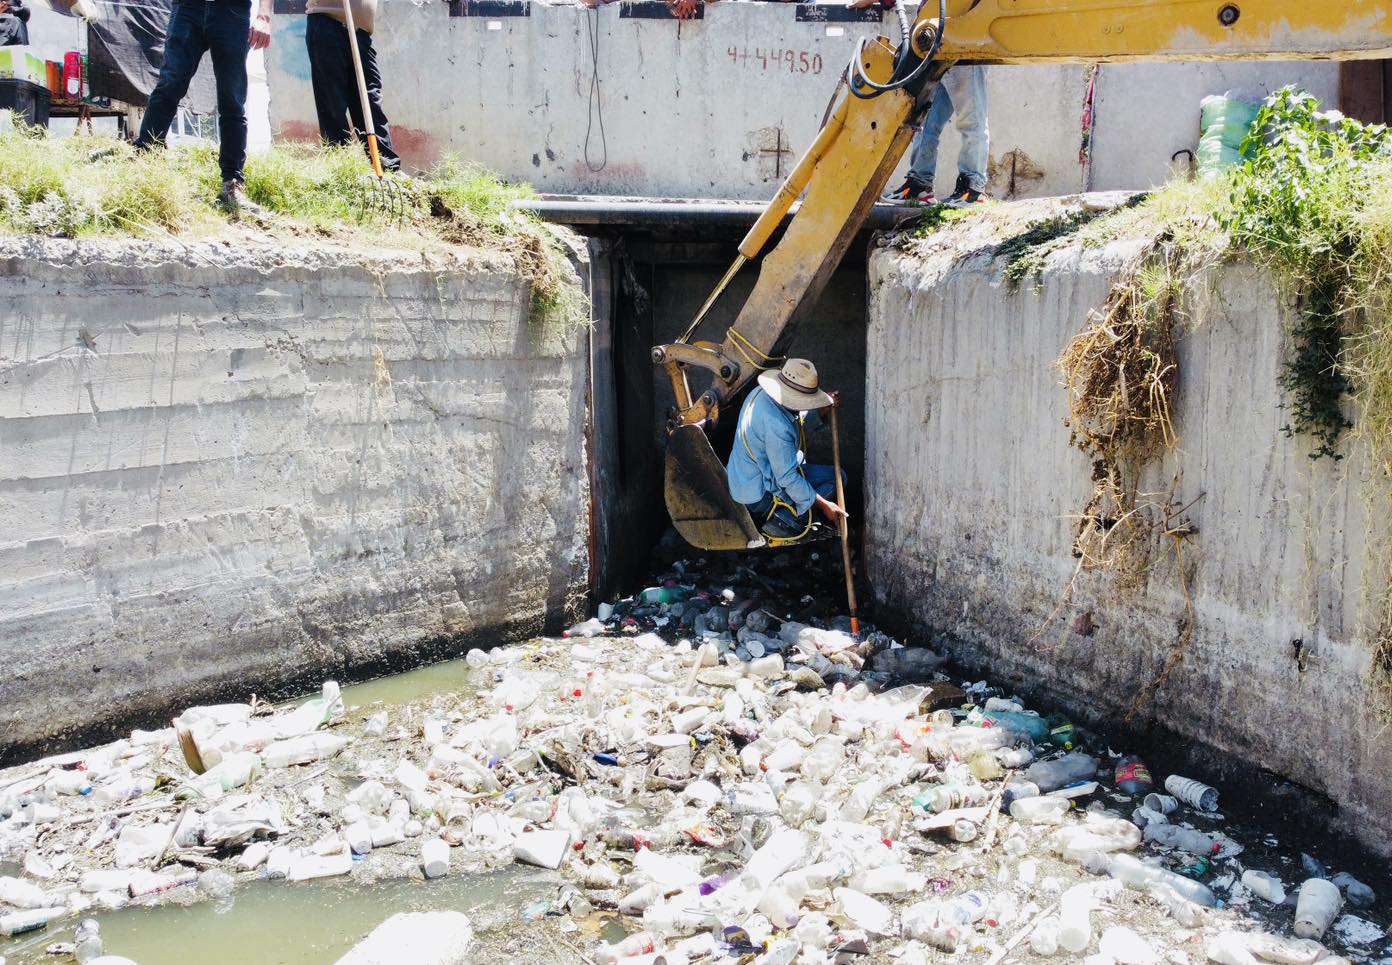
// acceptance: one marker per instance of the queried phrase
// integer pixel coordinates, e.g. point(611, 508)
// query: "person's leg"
point(381, 128)
point(823, 480)
point(331, 76)
point(924, 164)
point(229, 28)
point(184, 44)
point(969, 97)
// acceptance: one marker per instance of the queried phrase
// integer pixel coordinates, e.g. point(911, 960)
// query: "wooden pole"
point(845, 528)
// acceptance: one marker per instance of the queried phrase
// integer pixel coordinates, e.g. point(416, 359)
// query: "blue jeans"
point(222, 28)
point(962, 95)
point(821, 478)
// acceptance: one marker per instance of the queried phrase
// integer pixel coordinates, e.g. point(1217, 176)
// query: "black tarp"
point(125, 48)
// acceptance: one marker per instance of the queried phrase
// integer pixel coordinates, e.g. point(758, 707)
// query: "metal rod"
point(845, 527)
point(701, 315)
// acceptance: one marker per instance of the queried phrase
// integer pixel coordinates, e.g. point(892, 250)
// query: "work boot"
point(964, 196)
point(233, 199)
point(774, 528)
point(911, 192)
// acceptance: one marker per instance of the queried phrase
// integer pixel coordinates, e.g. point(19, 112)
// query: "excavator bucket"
point(698, 496)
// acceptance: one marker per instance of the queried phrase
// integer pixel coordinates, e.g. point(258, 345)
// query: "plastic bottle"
point(823, 759)
point(1315, 907)
point(963, 831)
point(88, 943)
point(1052, 775)
point(1184, 839)
point(1016, 791)
point(1133, 776)
point(1044, 940)
point(1003, 703)
point(966, 909)
point(861, 799)
point(22, 894)
point(946, 797)
point(305, 749)
point(123, 788)
point(1075, 919)
point(1144, 877)
point(641, 943)
point(1040, 810)
point(31, 919)
point(67, 782)
point(1015, 757)
point(799, 802)
point(312, 713)
point(1031, 725)
point(1062, 733)
point(1356, 893)
point(435, 858)
point(1263, 885)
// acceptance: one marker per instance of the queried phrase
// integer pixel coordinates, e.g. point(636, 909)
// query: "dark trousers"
point(222, 28)
point(336, 97)
point(13, 31)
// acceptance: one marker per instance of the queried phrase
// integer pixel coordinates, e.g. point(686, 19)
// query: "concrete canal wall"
point(225, 471)
point(973, 497)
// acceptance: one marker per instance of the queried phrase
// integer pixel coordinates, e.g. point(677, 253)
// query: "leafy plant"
point(1296, 204)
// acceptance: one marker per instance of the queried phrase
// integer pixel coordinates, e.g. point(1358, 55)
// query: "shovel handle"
point(845, 527)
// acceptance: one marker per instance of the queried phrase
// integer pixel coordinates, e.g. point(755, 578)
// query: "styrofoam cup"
point(1162, 803)
point(1193, 793)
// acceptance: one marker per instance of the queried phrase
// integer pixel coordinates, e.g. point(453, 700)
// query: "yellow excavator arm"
point(888, 88)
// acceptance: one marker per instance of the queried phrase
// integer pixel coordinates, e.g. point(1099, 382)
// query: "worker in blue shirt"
point(767, 468)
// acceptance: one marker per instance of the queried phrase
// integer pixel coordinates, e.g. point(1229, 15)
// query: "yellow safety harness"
point(777, 499)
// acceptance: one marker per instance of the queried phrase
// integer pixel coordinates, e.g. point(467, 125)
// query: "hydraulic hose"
point(865, 88)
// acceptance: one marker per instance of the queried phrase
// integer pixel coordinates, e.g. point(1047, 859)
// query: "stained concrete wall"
point(721, 107)
point(973, 492)
point(231, 470)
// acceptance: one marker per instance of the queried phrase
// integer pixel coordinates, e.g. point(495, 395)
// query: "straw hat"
point(795, 387)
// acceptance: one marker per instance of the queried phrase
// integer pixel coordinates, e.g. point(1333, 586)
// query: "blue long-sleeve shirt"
point(767, 456)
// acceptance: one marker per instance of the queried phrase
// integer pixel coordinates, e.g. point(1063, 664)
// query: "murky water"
point(314, 922)
point(295, 924)
point(452, 677)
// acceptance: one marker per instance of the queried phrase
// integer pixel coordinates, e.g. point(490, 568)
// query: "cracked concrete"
point(227, 469)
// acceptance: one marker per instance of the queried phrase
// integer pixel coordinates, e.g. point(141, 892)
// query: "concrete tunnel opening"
point(649, 277)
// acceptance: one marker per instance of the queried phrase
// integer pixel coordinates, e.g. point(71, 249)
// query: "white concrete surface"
point(972, 496)
point(722, 107)
point(227, 470)
point(421, 938)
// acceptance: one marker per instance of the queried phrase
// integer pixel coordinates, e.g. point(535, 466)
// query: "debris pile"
point(712, 768)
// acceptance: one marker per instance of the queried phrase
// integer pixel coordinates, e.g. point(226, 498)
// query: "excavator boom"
point(889, 87)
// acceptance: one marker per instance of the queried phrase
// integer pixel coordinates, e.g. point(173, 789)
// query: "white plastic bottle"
point(305, 749)
point(642, 943)
point(1075, 919)
point(1044, 940)
point(1316, 905)
point(1040, 810)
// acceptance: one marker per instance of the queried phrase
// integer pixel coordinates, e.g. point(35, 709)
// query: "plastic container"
point(1192, 792)
point(123, 788)
point(1315, 908)
point(799, 802)
point(948, 797)
point(966, 909)
point(87, 943)
point(1163, 803)
point(435, 858)
point(22, 894)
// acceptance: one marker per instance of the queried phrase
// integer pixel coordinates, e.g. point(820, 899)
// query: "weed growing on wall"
point(90, 186)
point(1296, 204)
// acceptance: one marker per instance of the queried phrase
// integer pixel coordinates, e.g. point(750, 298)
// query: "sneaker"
point(911, 192)
point(233, 199)
point(963, 196)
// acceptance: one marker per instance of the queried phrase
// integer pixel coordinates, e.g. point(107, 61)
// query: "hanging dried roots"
point(1120, 373)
